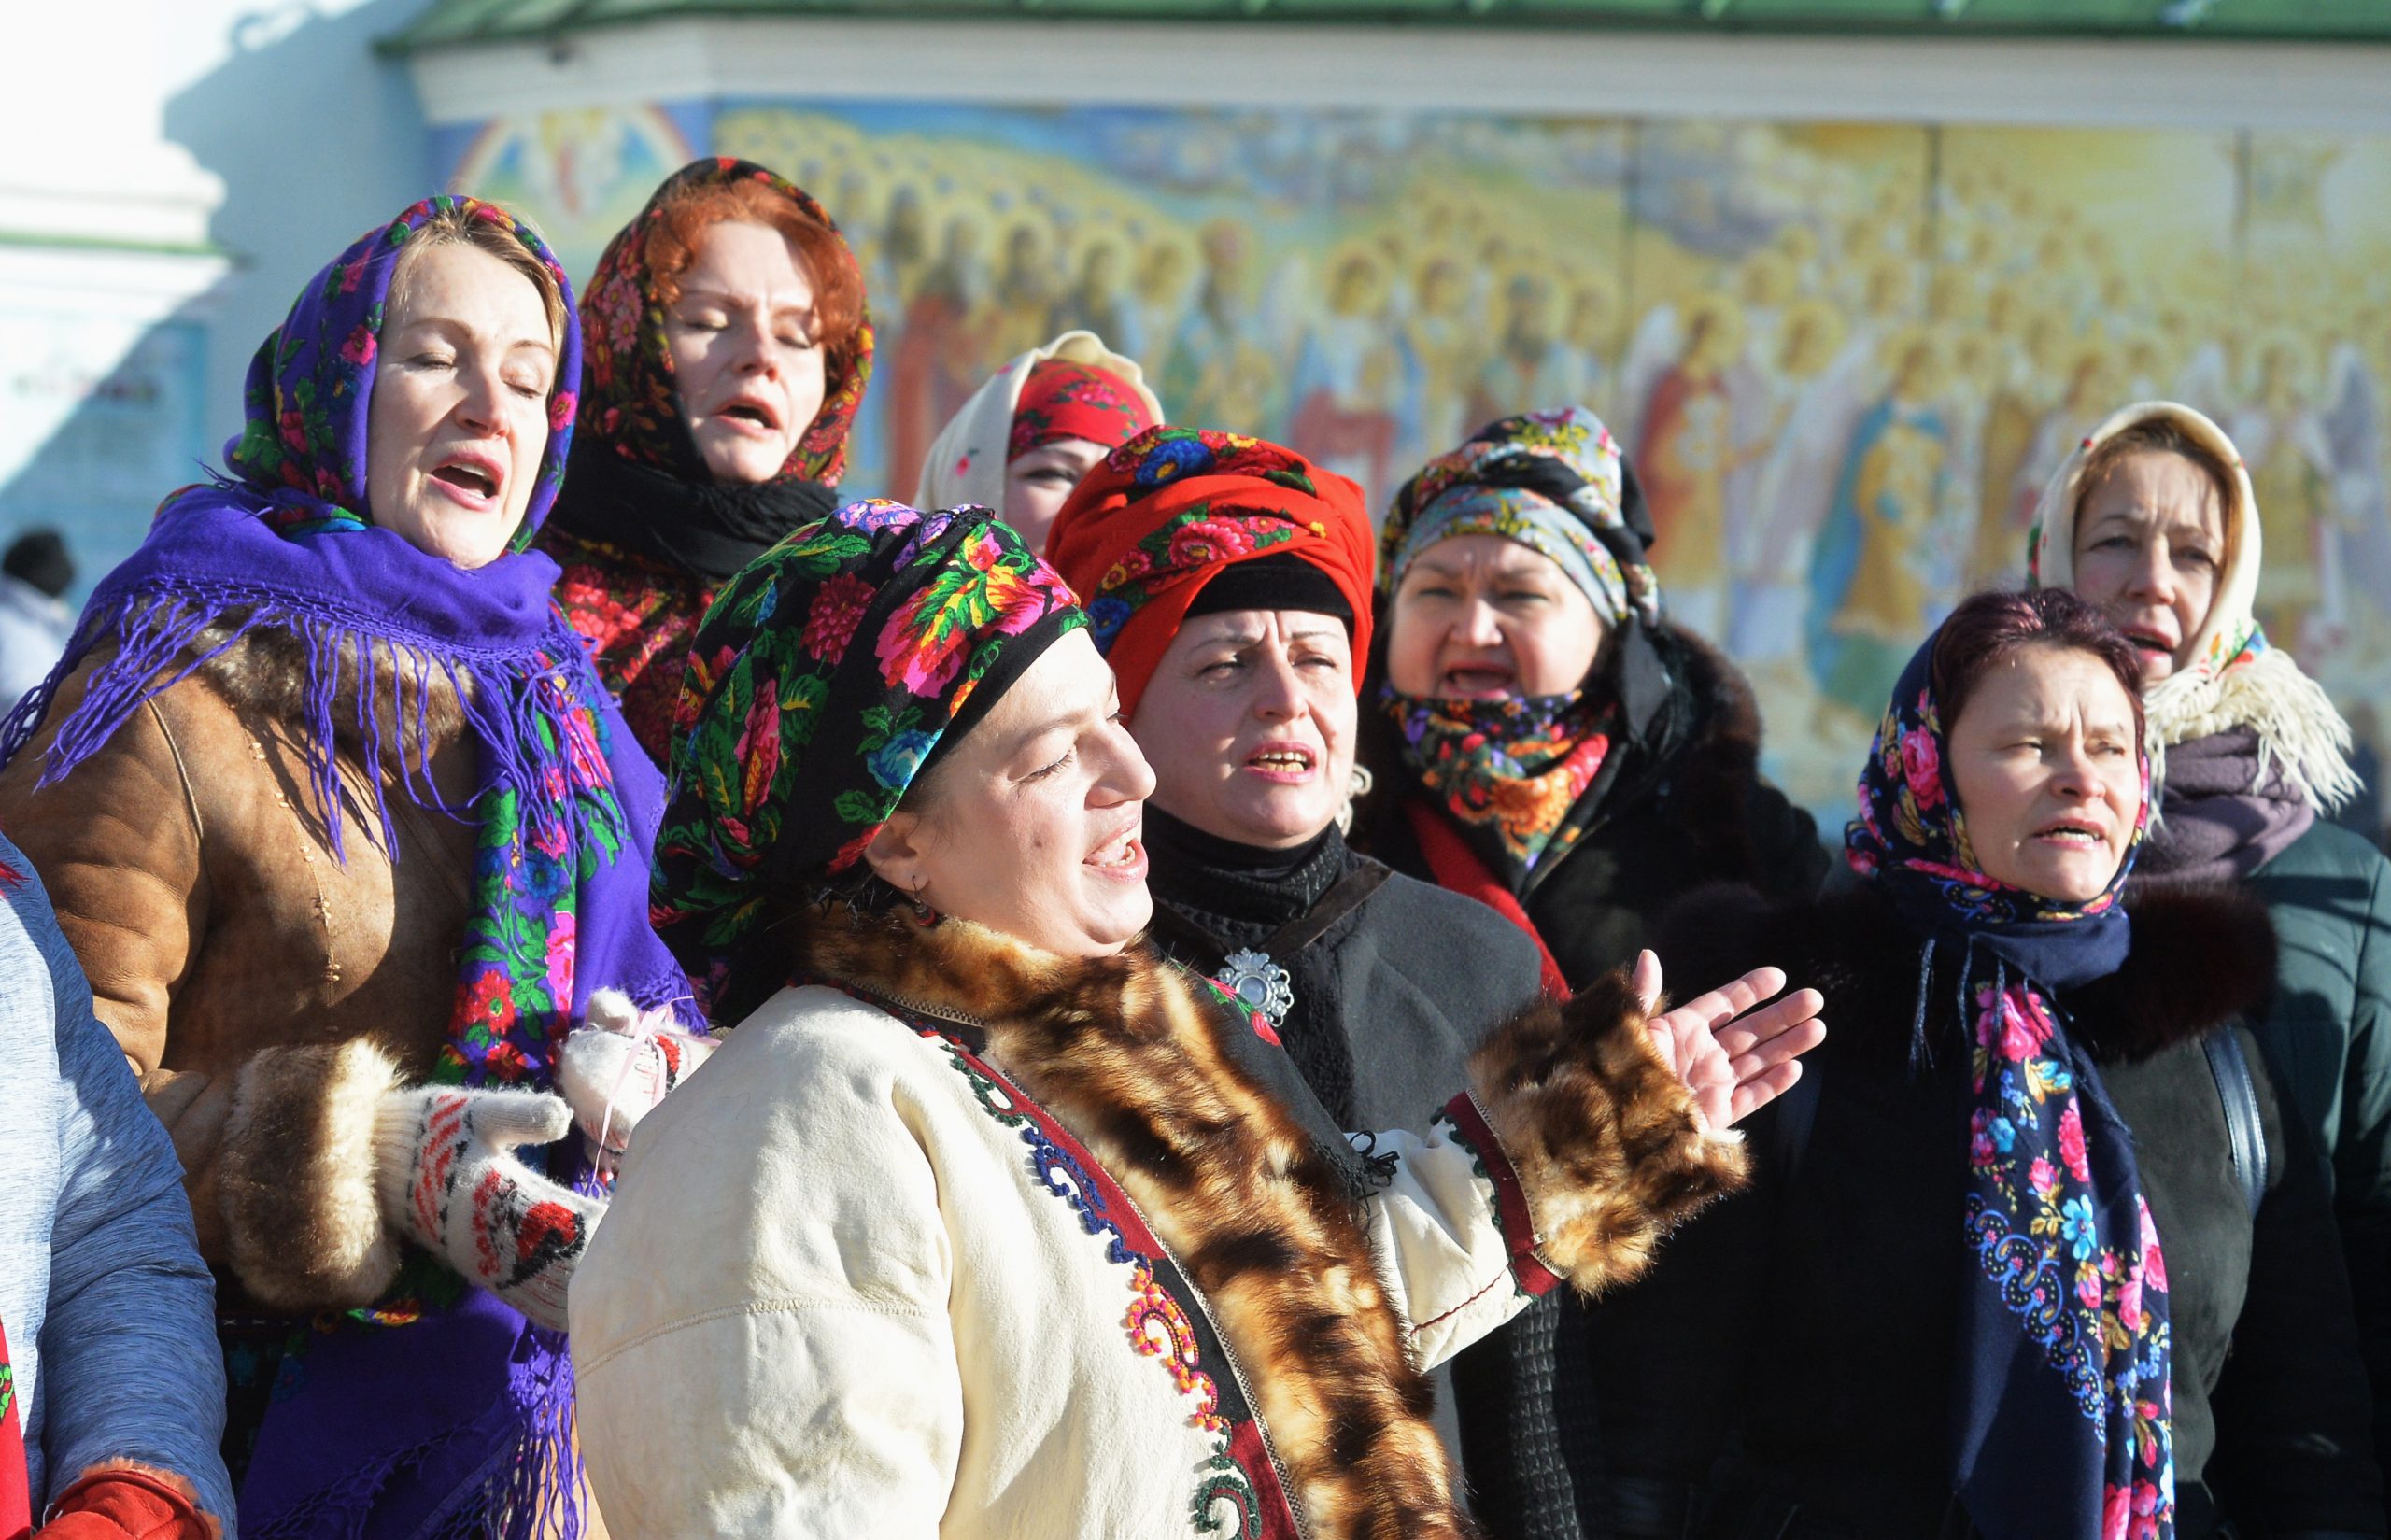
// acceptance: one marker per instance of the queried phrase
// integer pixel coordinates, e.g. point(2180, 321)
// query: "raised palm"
point(1733, 1052)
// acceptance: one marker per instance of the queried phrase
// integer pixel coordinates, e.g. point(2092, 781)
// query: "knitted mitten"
point(447, 1175)
point(620, 1062)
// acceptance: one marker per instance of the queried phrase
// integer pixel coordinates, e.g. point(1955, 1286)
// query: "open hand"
point(1734, 1053)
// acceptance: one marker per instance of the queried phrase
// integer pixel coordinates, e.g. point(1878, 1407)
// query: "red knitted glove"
point(116, 1504)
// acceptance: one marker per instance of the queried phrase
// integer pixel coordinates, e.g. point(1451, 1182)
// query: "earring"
point(924, 916)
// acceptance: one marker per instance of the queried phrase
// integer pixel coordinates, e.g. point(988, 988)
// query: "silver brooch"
point(1259, 983)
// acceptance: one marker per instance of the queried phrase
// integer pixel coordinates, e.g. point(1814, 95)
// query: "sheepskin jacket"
point(194, 878)
point(1787, 1366)
point(975, 1241)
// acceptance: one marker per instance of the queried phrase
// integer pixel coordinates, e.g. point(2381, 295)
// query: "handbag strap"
point(2245, 1135)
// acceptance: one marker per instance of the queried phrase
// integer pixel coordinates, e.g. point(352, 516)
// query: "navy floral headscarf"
point(2063, 1418)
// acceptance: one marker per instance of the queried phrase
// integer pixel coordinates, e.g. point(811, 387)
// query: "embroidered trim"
point(1160, 1329)
point(1465, 1121)
point(1240, 1472)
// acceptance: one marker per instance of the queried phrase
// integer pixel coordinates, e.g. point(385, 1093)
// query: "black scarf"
point(708, 528)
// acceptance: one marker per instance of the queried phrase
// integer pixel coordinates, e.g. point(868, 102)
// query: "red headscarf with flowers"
point(1173, 508)
point(1064, 398)
point(628, 399)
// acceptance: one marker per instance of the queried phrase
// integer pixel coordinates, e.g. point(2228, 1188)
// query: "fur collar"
point(264, 670)
point(1598, 1135)
point(2203, 955)
point(1710, 757)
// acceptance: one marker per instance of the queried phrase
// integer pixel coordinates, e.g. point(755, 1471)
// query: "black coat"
point(1684, 807)
point(1790, 1355)
point(1388, 1002)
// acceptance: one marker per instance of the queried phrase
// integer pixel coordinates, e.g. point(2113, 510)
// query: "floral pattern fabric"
point(628, 399)
point(2064, 1422)
point(311, 382)
point(1062, 399)
point(823, 678)
point(1554, 482)
point(1511, 773)
point(1170, 509)
point(638, 617)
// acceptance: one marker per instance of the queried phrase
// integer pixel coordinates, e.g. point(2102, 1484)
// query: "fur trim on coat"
point(265, 670)
point(1128, 1055)
point(1716, 767)
point(302, 1225)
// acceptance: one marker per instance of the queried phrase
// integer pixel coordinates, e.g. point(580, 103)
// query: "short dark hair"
point(38, 558)
point(1990, 627)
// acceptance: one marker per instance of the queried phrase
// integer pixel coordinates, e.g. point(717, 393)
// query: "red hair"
point(838, 282)
point(1991, 627)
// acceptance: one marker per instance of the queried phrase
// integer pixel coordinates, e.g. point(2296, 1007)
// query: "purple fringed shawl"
point(442, 1412)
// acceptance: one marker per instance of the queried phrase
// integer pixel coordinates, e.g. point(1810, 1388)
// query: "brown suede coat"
point(194, 877)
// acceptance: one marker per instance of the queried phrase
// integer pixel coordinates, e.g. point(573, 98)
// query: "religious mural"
point(1843, 359)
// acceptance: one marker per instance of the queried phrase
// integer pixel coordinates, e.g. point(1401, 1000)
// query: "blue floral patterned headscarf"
point(2063, 1420)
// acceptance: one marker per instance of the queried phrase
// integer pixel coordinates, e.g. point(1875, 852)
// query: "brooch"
point(1259, 983)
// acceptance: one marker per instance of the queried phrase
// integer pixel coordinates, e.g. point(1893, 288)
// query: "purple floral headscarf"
point(465, 1403)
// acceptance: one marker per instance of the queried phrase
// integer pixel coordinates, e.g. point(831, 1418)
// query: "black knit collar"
point(1242, 884)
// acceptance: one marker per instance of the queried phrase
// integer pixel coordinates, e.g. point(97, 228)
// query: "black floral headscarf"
point(823, 680)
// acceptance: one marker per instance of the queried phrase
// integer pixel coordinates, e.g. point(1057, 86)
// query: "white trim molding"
point(2139, 83)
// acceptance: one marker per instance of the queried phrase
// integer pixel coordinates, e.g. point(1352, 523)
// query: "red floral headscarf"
point(1063, 398)
point(627, 396)
point(1171, 509)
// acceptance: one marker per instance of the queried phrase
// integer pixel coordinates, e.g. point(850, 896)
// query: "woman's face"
point(1482, 618)
point(1033, 823)
point(459, 418)
point(745, 351)
point(2047, 770)
point(2149, 546)
point(1038, 481)
point(1248, 724)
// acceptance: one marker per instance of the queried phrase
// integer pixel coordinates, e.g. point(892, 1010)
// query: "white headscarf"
point(967, 459)
point(2236, 678)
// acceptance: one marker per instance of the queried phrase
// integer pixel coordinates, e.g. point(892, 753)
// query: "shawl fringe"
point(163, 635)
point(2266, 692)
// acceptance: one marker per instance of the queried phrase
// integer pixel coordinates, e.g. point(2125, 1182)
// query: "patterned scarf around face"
point(1513, 773)
point(823, 681)
point(563, 813)
point(629, 400)
point(1553, 481)
point(2062, 1410)
point(2234, 678)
